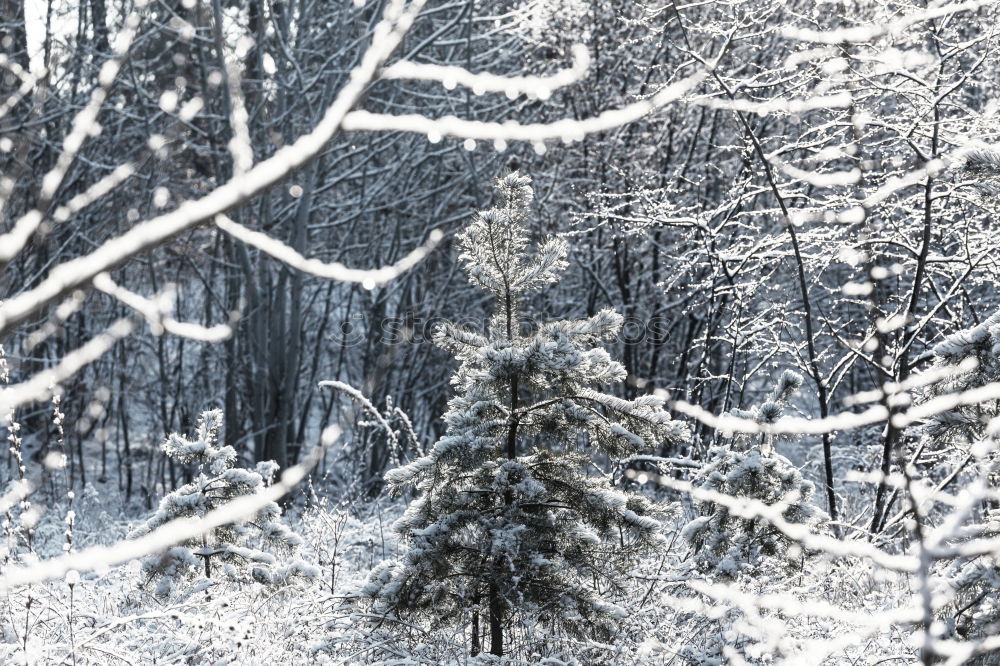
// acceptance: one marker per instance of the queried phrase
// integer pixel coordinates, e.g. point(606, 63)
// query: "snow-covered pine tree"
point(511, 522)
point(966, 438)
point(727, 545)
point(967, 359)
point(261, 548)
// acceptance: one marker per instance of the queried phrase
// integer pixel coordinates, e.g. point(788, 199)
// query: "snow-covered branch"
point(369, 278)
point(535, 86)
point(79, 272)
point(157, 312)
point(565, 129)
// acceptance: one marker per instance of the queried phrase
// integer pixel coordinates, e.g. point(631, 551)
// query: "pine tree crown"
point(202, 450)
point(494, 246)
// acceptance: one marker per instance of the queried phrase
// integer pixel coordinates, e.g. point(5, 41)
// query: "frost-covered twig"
point(729, 423)
point(869, 33)
point(16, 492)
point(28, 83)
point(565, 129)
point(837, 101)
point(94, 192)
point(788, 425)
point(84, 125)
point(364, 402)
point(40, 386)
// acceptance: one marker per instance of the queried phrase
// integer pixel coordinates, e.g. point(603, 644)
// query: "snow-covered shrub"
point(964, 439)
point(974, 610)
point(725, 544)
point(260, 548)
point(511, 525)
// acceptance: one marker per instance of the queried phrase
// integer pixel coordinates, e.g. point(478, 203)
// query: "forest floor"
point(671, 615)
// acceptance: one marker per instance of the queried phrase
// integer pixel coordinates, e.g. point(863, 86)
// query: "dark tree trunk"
point(476, 645)
point(13, 40)
point(496, 626)
point(99, 17)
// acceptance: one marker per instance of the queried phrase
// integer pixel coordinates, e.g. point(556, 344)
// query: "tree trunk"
point(99, 19)
point(476, 645)
point(496, 627)
point(13, 41)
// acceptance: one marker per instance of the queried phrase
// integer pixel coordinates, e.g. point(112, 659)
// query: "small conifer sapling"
point(512, 523)
point(726, 545)
point(261, 548)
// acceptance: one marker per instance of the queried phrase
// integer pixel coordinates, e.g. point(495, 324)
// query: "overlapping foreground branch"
point(931, 550)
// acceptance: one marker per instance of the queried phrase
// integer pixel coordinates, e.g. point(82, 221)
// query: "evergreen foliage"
point(968, 359)
point(511, 523)
point(260, 549)
point(982, 165)
point(727, 545)
point(974, 610)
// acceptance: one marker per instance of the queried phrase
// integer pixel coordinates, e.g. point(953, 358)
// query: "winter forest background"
point(527, 331)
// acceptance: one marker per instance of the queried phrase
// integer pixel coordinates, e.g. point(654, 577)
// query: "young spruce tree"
point(511, 524)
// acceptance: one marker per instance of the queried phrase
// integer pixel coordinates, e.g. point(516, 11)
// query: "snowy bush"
point(728, 545)
point(966, 437)
point(259, 549)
